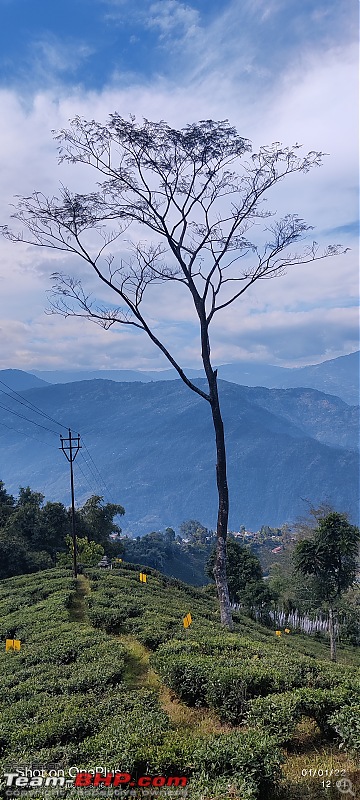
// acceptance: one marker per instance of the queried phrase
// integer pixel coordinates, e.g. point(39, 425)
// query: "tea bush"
point(119, 603)
point(278, 715)
point(251, 756)
point(132, 722)
point(229, 688)
point(248, 759)
point(346, 723)
point(187, 676)
point(64, 699)
point(225, 673)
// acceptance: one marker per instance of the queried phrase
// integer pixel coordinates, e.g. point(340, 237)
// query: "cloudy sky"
point(279, 70)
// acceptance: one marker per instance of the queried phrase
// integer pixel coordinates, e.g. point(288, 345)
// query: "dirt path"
point(138, 672)
point(77, 606)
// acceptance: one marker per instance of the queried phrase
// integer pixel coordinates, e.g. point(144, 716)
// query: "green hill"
point(108, 676)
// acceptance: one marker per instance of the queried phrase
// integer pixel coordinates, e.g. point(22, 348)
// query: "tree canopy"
point(244, 574)
point(33, 533)
point(330, 555)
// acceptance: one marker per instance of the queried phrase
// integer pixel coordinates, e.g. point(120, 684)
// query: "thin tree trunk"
point(221, 479)
point(332, 635)
point(223, 508)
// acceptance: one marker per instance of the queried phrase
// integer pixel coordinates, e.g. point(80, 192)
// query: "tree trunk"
point(221, 479)
point(332, 635)
point(223, 508)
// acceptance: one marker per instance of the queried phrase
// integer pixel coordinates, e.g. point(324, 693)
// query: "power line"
point(92, 467)
point(27, 435)
point(21, 416)
point(97, 470)
point(28, 403)
point(85, 481)
point(94, 483)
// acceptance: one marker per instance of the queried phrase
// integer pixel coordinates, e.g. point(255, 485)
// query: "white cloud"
point(173, 17)
point(55, 55)
point(307, 312)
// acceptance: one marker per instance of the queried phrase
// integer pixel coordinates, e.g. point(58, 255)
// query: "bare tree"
point(197, 191)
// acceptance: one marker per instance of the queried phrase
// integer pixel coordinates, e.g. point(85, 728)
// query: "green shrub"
point(249, 760)
point(186, 675)
point(252, 757)
point(137, 725)
point(229, 689)
point(346, 723)
point(320, 704)
point(279, 714)
point(110, 621)
point(276, 714)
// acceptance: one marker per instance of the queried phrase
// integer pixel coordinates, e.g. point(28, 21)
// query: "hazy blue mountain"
point(338, 376)
point(118, 375)
point(324, 417)
point(154, 446)
point(72, 375)
point(18, 380)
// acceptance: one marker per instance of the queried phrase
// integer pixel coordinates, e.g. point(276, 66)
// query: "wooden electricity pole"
point(71, 450)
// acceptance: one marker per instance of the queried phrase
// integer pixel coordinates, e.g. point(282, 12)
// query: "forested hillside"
point(153, 444)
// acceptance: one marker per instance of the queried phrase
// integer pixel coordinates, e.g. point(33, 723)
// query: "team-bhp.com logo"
point(85, 779)
point(116, 779)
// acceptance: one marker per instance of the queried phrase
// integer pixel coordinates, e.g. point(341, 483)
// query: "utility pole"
point(71, 450)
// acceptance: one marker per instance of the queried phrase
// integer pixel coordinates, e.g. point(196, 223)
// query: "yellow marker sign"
point(12, 644)
point(287, 630)
point(142, 577)
point(187, 620)
point(278, 633)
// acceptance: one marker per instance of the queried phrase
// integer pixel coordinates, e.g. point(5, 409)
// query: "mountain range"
point(338, 376)
point(153, 444)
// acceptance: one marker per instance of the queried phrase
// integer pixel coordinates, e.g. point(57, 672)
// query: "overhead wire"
point(97, 470)
point(94, 478)
point(27, 435)
point(94, 471)
point(21, 416)
point(86, 485)
point(25, 402)
point(90, 478)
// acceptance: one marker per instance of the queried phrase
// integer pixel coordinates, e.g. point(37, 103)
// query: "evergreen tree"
point(331, 556)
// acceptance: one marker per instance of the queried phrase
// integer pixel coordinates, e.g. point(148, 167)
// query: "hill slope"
point(154, 446)
point(338, 376)
point(117, 681)
point(19, 380)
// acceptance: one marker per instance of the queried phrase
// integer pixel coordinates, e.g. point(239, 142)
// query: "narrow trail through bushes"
point(77, 605)
point(138, 673)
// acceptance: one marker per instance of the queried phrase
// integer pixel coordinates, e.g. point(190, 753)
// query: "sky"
point(278, 70)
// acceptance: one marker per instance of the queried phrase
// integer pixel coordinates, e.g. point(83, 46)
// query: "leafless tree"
point(197, 191)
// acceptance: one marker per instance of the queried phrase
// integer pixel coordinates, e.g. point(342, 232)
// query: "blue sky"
point(279, 70)
point(91, 43)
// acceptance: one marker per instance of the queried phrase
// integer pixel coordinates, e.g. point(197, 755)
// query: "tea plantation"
point(107, 675)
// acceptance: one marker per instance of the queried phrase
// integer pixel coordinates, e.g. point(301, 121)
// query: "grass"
point(77, 607)
point(311, 761)
point(138, 672)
